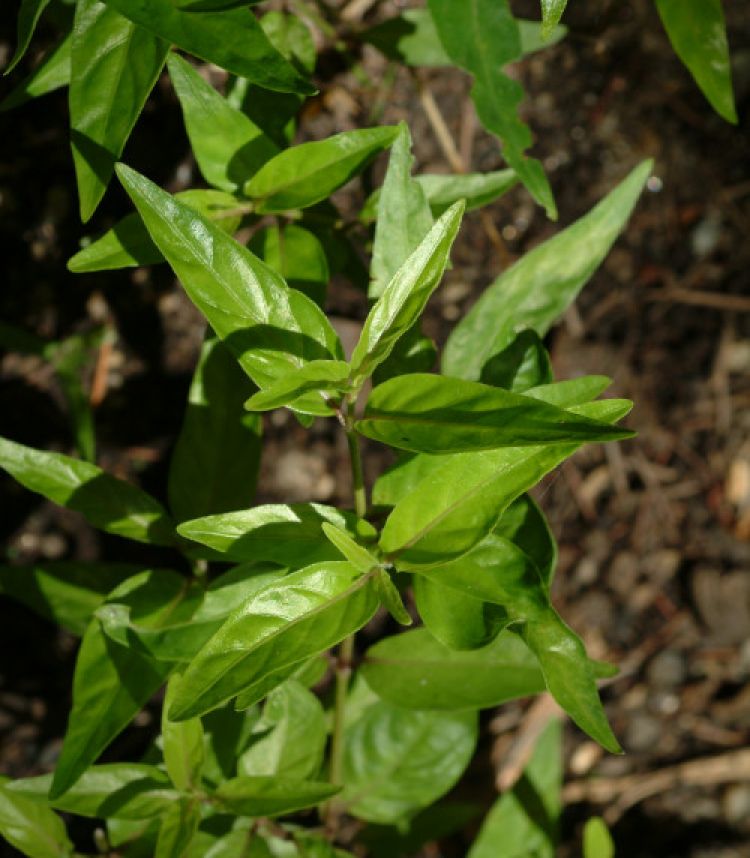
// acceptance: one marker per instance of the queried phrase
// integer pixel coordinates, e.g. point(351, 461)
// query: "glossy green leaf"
point(182, 745)
point(288, 534)
point(51, 74)
point(28, 16)
point(573, 391)
point(391, 598)
point(107, 502)
point(65, 592)
point(522, 364)
point(434, 414)
point(535, 291)
point(129, 245)
point(397, 761)
point(112, 683)
point(270, 328)
point(290, 737)
point(597, 841)
point(121, 790)
point(459, 502)
point(228, 735)
point(308, 612)
point(552, 11)
point(115, 65)
point(326, 378)
point(271, 796)
point(482, 36)
point(406, 295)
point(524, 524)
point(524, 821)
point(698, 34)
point(416, 671)
point(228, 147)
point(306, 174)
point(298, 255)
point(214, 467)
point(31, 827)
point(403, 216)
point(178, 827)
point(231, 39)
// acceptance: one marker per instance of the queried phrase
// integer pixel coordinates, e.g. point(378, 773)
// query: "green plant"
point(237, 630)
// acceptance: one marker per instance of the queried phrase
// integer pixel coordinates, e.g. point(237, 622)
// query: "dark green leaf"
point(296, 254)
point(406, 295)
point(212, 5)
point(524, 524)
point(413, 352)
point(397, 761)
point(178, 827)
point(232, 39)
point(215, 463)
point(114, 67)
point(228, 147)
point(306, 174)
point(698, 34)
point(522, 364)
point(107, 502)
point(286, 534)
point(28, 16)
point(308, 612)
point(329, 379)
point(51, 74)
point(31, 827)
point(182, 745)
point(271, 796)
point(535, 291)
point(597, 841)
point(482, 36)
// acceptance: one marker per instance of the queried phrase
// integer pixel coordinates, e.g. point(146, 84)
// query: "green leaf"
point(297, 255)
point(416, 671)
point(28, 16)
point(270, 328)
point(535, 291)
point(397, 761)
point(107, 502)
point(112, 683)
point(319, 376)
point(482, 36)
point(597, 841)
point(212, 5)
point(524, 524)
point(406, 295)
point(698, 34)
point(460, 501)
point(403, 216)
point(270, 796)
point(290, 737)
point(51, 74)
point(288, 534)
point(228, 147)
point(31, 827)
point(178, 828)
point(351, 551)
point(524, 821)
point(214, 467)
point(477, 189)
point(115, 65)
point(228, 735)
point(522, 364)
point(434, 414)
point(552, 11)
point(182, 744)
point(128, 243)
point(573, 391)
point(66, 593)
point(391, 598)
point(120, 790)
point(308, 612)
point(306, 174)
point(232, 40)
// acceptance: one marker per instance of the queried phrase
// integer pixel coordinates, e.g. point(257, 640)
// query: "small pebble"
point(667, 669)
point(643, 733)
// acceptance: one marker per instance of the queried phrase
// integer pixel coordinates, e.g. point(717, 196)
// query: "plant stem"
point(358, 479)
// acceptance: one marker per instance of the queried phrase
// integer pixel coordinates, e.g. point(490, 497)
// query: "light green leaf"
point(107, 502)
point(573, 391)
point(232, 39)
point(214, 467)
point(524, 821)
point(329, 379)
point(31, 827)
point(397, 761)
point(522, 364)
point(391, 598)
point(66, 593)
point(290, 737)
point(28, 16)
point(115, 65)
point(182, 744)
point(597, 841)
point(406, 295)
point(228, 147)
point(178, 828)
point(482, 36)
point(535, 291)
point(351, 550)
point(270, 796)
point(552, 11)
point(306, 174)
point(434, 414)
point(698, 34)
point(403, 216)
point(270, 328)
point(308, 612)
point(128, 243)
point(288, 534)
